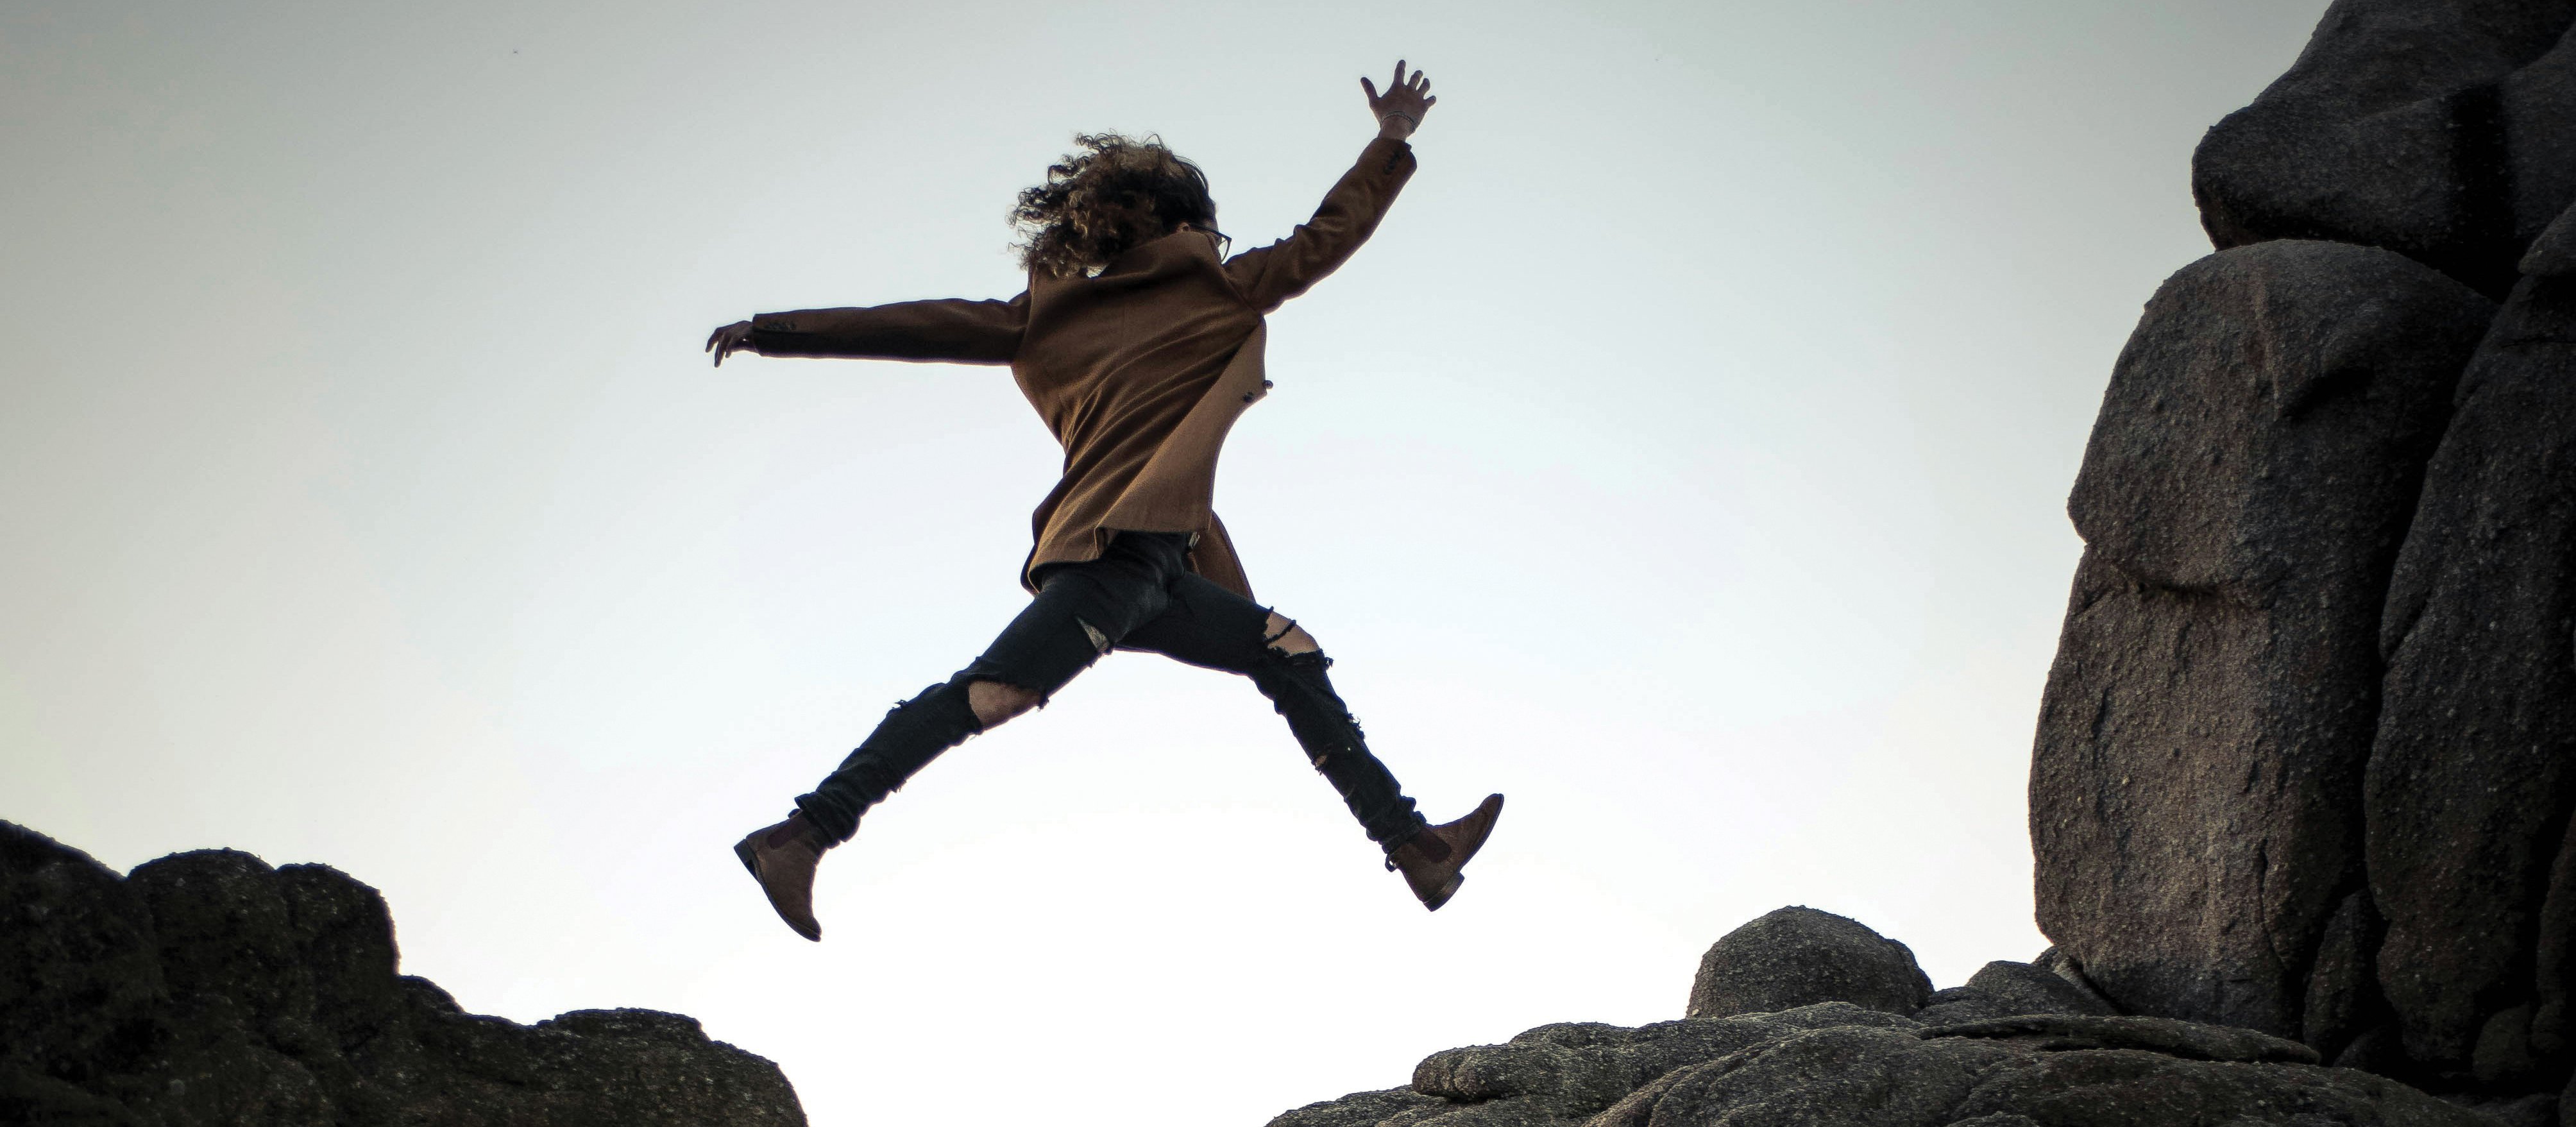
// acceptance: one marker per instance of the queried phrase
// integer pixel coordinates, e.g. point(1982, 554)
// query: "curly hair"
point(1108, 195)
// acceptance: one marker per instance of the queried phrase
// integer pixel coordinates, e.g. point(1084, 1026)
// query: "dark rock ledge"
point(1852, 1037)
point(208, 988)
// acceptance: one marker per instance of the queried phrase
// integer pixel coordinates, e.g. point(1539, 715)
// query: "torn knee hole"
point(1099, 641)
point(1284, 636)
point(992, 700)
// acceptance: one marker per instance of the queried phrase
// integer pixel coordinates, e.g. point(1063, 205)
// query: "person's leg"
point(1081, 610)
point(1209, 626)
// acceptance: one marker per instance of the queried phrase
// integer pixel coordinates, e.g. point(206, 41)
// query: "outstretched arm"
point(1284, 269)
point(961, 332)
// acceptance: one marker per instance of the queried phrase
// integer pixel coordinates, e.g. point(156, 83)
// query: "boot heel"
point(1446, 891)
point(742, 849)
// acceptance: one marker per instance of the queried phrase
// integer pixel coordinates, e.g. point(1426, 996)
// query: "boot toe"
point(1476, 827)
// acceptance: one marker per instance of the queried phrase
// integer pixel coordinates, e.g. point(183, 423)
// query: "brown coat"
point(1139, 370)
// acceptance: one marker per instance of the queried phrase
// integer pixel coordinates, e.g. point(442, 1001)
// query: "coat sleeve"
point(956, 331)
point(1284, 269)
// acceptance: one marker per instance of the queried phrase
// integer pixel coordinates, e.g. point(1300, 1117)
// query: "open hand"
point(1399, 111)
point(728, 340)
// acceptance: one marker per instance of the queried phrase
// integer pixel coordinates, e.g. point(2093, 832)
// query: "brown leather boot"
point(1430, 860)
point(783, 858)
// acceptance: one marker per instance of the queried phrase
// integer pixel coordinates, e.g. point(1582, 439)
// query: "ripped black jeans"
point(1139, 595)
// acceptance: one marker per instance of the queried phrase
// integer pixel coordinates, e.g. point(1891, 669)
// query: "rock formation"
point(1799, 956)
point(2392, 130)
point(2304, 761)
point(2302, 795)
point(207, 988)
point(2304, 783)
point(2470, 782)
point(2241, 502)
point(2025, 1045)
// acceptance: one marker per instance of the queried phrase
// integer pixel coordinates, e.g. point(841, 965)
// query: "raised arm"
point(954, 331)
point(1284, 269)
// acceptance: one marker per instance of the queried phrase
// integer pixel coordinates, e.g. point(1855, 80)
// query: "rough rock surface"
point(1799, 956)
point(2473, 777)
point(2165, 1035)
point(1834, 1063)
point(1963, 1005)
point(2193, 796)
point(2387, 132)
point(2196, 781)
point(208, 988)
point(2024, 988)
point(2538, 106)
point(2553, 253)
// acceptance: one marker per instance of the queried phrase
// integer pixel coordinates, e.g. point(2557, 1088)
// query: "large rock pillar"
point(2474, 773)
point(2196, 784)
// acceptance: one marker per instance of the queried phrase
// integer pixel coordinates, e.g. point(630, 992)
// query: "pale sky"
point(1685, 457)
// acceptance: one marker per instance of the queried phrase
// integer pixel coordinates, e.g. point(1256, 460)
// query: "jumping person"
point(1139, 343)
